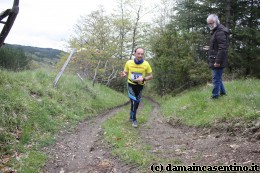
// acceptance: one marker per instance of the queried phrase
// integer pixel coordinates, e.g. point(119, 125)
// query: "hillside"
point(42, 55)
point(76, 127)
point(166, 141)
point(32, 111)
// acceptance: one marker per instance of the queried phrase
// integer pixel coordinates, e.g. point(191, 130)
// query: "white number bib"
point(134, 76)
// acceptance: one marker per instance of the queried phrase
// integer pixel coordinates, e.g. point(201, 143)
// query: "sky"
point(48, 23)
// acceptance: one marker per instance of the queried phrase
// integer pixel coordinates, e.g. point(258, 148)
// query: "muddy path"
point(85, 151)
point(202, 146)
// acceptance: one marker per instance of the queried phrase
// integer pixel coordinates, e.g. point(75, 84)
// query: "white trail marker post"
point(62, 69)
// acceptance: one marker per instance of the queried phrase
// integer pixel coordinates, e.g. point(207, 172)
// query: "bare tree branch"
point(134, 31)
point(94, 78)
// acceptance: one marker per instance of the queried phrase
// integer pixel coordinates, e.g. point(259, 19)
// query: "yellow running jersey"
point(136, 70)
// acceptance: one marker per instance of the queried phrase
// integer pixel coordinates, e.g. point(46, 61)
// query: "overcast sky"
point(48, 23)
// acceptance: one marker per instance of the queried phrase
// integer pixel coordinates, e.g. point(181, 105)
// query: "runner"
point(138, 71)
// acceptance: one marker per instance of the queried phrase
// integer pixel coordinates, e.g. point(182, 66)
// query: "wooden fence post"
point(63, 68)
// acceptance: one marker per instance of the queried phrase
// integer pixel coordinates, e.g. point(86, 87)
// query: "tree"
point(97, 43)
point(105, 42)
point(13, 59)
point(246, 38)
point(238, 15)
point(175, 67)
point(122, 26)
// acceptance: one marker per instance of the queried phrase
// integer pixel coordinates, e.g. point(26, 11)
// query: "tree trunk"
point(228, 13)
point(134, 32)
point(94, 78)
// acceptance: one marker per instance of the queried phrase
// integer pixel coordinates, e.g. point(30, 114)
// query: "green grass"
point(32, 111)
point(33, 162)
point(125, 139)
point(119, 133)
point(195, 107)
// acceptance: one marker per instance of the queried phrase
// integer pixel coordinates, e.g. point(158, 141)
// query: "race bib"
point(134, 76)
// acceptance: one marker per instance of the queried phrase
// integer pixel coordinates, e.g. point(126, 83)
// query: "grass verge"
point(196, 108)
point(32, 111)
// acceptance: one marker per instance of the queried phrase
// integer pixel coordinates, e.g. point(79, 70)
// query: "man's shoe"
point(214, 97)
point(134, 124)
point(223, 94)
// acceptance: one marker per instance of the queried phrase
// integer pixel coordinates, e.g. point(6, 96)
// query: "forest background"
point(173, 39)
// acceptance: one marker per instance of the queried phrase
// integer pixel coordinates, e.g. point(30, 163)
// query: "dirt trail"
point(84, 151)
point(201, 146)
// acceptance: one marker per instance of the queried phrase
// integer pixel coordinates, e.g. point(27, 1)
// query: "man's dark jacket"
point(218, 46)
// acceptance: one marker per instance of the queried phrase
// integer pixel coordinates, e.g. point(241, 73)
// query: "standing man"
point(217, 51)
point(137, 71)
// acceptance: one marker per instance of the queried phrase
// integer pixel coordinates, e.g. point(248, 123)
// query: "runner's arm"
point(149, 76)
point(123, 73)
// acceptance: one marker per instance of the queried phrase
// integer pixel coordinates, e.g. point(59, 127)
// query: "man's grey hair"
point(213, 17)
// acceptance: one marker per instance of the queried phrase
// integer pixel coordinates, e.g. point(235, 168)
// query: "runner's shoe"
point(223, 94)
point(134, 124)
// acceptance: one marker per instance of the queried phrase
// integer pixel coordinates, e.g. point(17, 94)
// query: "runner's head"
point(139, 53)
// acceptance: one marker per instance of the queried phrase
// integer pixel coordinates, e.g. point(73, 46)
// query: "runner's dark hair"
point(138, 48)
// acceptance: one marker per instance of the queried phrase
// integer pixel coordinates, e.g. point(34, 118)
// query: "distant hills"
point(47, 55)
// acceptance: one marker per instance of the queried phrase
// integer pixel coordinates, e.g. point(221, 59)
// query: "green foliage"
point(18, 57)
point(97, 55)
point(196, 108)
point(40, 54)
point(245, 38)
point(191, 15)
point(241, 17)
point(175, 66)
point(247, 52)
point(179, 61)
point(32, 111)
point(13, 59)
point(104, 42)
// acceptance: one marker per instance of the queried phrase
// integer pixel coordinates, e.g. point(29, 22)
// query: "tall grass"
point(195, 107)
point(32, 111)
